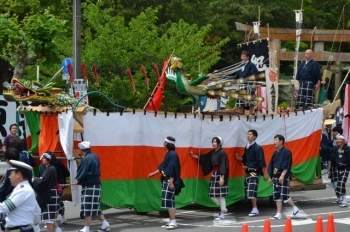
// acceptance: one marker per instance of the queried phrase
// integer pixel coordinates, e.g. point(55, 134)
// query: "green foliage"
point(24, 41)
point(231, 102)
point(140, 43)
point(283, 105)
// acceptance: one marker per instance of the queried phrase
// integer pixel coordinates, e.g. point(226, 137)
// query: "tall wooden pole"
point(77, 39)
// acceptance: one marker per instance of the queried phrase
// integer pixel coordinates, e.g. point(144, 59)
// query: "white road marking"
point(302, 219)
point(321, 198)
point(334, 212)
point(343, 221)
point(185, 212)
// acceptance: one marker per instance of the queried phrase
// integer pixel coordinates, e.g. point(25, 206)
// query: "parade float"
point(129, 142)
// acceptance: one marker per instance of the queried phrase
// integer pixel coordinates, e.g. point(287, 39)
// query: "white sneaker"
point(171, 226)
point(277, 217)
point(82, 230)
point(295, 211)
point(63, 221)
point(220, 217)
point(343, 205)
point(103, 230)
point(253, 213)
point(105, 224)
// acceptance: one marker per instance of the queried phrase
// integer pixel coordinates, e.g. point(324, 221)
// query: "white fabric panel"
point(211, 105)
point(292, 127)
point(65, 125)
point(135, 129)
point(305, 125)
point(149, 130)
point(205, 130)
point(267, 129)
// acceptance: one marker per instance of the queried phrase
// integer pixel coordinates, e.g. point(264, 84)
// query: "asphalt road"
point(195, 218)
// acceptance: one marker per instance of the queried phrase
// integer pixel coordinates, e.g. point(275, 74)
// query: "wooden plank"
point(296, 185)
point(287, 34)
point(307, 187)
point(79, 119)
point(78, 129)
point(330, 109)
point(318, 55)
point(52, 110)
point(67, 193)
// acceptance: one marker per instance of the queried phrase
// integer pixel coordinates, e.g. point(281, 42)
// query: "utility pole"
point(77, 39)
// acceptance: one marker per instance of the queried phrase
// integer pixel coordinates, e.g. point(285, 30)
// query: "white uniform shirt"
point(21, 206)
point(249, 144)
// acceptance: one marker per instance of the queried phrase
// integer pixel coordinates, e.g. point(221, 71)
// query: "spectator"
point(62, 173)
point(6, 189)
point(8, 139)
point(47, 195)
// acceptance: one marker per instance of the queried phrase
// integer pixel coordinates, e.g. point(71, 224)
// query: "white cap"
point(18, 165)
point(84, 145)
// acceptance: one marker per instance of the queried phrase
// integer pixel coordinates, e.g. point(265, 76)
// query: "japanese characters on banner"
point(259, 55)
point(80, 90)
point(8, 116)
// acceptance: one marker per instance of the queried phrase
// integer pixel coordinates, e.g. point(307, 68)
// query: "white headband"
point(340, 137)
point(221, 140)
point(46, 155)
point(169, 141)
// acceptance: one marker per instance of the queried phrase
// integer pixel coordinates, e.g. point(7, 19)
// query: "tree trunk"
point(18, 71)
point(5, 74)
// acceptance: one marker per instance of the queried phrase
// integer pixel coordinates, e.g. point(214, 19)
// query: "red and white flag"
point(156, 99)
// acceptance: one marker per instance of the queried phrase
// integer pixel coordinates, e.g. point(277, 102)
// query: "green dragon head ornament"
point(21, 90)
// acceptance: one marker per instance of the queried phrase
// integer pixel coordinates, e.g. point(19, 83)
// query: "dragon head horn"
point(175, 59)
point(175, 62)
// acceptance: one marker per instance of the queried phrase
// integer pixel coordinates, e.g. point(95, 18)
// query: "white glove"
point(36, 228)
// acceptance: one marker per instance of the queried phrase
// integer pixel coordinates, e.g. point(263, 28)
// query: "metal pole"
point(77, 39)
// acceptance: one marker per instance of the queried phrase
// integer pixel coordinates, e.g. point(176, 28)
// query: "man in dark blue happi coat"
point(88, 176)
point(309, 77)
point(254, 163)
point(247, 70)
point(171, 182)
point(342, 160)
point(280, 171)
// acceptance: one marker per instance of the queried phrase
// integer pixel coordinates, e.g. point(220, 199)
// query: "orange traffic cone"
point(319, 224)
point(267, 225)
point(330, 223)
point(288, 226)
point(245, 227)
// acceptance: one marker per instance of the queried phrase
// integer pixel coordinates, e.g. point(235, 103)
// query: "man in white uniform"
point(21, 208)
